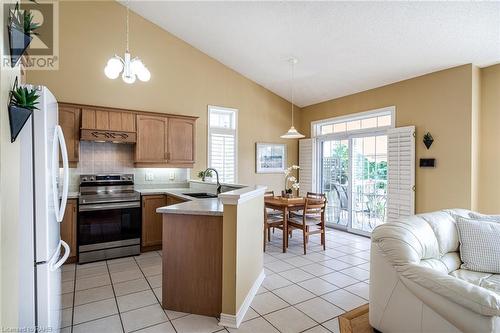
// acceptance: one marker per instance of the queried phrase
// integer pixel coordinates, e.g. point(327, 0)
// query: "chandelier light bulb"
point(111, 73)
point(144, 75)
point(115, 64)
point(128, 78)
point(136, 65)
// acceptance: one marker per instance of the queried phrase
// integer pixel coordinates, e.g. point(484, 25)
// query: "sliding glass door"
point(369, 182)
point(335, 180)
point(353, 172)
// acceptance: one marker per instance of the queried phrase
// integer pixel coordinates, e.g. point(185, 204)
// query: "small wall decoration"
point(21, 29)
point(22, 102)
point(270, 157)
point(428, 140)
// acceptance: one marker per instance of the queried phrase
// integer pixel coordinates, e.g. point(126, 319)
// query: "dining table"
point(285, 205)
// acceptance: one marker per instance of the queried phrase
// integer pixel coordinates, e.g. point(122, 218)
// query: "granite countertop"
point(192, 206)
point(176, 192)
point(210, 206)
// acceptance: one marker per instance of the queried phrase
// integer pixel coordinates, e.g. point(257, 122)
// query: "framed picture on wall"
point(270, 157)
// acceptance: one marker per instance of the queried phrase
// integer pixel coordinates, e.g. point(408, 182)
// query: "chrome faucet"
point(219, 187)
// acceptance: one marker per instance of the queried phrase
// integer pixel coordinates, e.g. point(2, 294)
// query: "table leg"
point(285, 229)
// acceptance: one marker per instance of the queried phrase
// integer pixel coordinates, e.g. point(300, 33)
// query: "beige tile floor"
point(300, 293)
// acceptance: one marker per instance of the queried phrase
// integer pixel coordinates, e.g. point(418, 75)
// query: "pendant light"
point(132, 68)
point(292, 132)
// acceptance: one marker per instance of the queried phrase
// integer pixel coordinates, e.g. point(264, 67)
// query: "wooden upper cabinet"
point(69, 120)
point(101, 120)
point(161, 140)
point(181, 139)
point(128, 121)
point(115, 121)
point(151, 145)
point(88, 119)
point(108, 120)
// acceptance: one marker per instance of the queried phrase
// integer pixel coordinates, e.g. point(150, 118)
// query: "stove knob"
point(84, 179)
point(129, 177)
point(92, 179)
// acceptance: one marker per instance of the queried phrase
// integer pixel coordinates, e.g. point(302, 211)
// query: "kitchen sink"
point(201, 195)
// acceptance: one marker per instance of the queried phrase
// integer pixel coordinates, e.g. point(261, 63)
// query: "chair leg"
point(304, 235)
point(264, 238)
point(268, 234)
point(323, 236)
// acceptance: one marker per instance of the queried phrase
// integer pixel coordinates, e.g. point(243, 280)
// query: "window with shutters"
point(223, 142)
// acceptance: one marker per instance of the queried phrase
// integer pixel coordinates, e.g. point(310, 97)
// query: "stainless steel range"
point(109, 217)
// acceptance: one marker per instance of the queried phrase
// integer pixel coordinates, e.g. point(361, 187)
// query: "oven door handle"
point(89, 208)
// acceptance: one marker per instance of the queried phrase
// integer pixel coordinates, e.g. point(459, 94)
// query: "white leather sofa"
point(417, 285)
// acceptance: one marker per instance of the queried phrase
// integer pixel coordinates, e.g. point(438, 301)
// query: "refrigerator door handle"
point(59, 138)
point(61, 261)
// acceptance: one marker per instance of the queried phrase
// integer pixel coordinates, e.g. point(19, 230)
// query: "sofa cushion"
point(485, 280)
point(484, 217)
point(479, 245)
point(445, 230)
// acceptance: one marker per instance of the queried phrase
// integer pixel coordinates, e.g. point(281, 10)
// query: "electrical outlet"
point(149, 176)
point(171, 176)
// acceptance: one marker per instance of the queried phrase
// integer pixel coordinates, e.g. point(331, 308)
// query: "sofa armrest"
point(470, 296)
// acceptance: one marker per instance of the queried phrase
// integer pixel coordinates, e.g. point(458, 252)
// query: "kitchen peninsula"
point(212, 254)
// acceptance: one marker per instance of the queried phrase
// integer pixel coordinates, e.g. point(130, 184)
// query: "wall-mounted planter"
point(17, 119)
point(428, 140)
point(18, 43)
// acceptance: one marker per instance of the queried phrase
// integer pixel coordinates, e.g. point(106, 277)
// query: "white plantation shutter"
point(401, 172)
point(222, 142)
point(222, 148)
point(307, 166)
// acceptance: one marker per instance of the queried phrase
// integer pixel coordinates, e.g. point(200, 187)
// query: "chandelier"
point(131, 68)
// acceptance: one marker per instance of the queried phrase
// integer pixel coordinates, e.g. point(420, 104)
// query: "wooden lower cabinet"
point(68, 228)
point(192, 264)
point(152, 221)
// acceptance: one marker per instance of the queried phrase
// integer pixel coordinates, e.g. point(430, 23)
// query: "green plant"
point(23, 21)
point(24, 98)
point(209, 173)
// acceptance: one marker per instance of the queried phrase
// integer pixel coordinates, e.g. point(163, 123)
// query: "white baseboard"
point(234, 321)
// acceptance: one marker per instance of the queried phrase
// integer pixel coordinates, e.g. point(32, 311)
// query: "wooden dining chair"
point(312, 220)
point(271, 221)
point(272, 211)
point(310, 195)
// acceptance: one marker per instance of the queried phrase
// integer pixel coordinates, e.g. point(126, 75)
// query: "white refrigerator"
point(43, 201)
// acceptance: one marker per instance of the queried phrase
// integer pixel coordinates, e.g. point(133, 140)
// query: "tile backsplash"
point(106, 157)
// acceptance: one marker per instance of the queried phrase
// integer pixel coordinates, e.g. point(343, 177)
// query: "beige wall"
point(489, 166)
point(184, 81)
point(242, 258)
point(250, 238)
point(9, 200)
point(440, 103)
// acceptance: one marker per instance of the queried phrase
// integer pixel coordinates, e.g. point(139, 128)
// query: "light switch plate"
point(171, 176)
point(149, 176)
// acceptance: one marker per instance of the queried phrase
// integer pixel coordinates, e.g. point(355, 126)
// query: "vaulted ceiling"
point(342, 47)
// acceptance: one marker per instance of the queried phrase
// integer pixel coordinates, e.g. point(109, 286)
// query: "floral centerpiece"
point(291, 182)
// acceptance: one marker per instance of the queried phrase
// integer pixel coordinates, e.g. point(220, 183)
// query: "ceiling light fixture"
point(292, 132)
point(132, 68)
